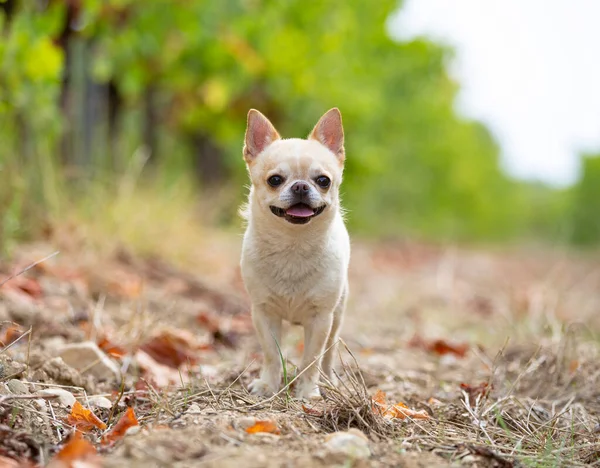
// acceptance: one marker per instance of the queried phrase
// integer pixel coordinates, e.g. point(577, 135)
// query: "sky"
point(529, 69)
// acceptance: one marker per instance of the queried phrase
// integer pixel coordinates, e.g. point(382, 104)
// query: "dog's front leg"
point(316, 332)
point(268, 330)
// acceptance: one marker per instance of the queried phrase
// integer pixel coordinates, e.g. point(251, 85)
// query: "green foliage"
point(586, 212)
point(414, 167)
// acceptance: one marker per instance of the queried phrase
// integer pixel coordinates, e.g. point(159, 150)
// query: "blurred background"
point(464, 122)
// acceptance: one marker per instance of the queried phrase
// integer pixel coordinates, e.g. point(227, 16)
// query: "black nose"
point(300, 188)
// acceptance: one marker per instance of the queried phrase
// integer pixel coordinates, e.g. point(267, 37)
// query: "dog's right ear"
point(260, 133)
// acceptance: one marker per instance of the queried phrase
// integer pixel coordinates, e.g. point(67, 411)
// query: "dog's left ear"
point(330, 133)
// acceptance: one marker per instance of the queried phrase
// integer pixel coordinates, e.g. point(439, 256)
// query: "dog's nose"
point(300, 188)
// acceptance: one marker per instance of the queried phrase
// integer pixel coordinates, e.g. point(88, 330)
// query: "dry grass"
point(530, 323)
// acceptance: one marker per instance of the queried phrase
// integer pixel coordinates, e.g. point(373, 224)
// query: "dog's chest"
point(293, 279)
point(297, 271)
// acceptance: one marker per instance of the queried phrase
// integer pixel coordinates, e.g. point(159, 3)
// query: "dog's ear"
point(260, 133)
point(330, 133)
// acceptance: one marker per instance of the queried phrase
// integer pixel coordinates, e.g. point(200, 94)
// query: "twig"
point(28, 267)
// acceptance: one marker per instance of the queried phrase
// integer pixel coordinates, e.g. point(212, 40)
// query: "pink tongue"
point(300, 211)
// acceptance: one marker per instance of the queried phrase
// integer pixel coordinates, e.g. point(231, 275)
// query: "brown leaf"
point(83, 419)
point(24, 284)
point(225, 330)
point(264, 426)
point(442, 347)
point(312, 411)
point(173, 348)
point(439, 347)
point(474, 391)
point(126, 421)
point(77, 452)
point(157, 374)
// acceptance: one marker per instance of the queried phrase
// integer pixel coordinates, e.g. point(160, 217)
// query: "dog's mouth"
point(300, 213)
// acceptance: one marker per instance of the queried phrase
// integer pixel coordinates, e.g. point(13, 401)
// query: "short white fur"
point(295, 272)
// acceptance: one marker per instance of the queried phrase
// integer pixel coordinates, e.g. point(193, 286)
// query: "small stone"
point(245, 422)
point(16, 387)
point(353, 444)
point(100, 402)
point(87, 357)
point(65, 398)
point(40, 404)
point(193, 409)
point(10, 368)
point(55, 371)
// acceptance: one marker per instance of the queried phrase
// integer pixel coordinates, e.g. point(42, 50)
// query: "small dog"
point(296, 247)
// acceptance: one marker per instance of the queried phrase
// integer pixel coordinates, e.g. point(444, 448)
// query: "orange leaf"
point(75, 451)
point(84, 419)
point(126, 285)
point(379, 402)
point(399, 410)
point(573, 366)
point(110, 348)
point(10, 334)
point(264, 426)
point(126, 421)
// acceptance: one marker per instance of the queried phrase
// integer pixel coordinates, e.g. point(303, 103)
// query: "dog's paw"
point(308, 392)
point(260, 388)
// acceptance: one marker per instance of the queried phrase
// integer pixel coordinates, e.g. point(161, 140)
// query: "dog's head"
point(293, 179)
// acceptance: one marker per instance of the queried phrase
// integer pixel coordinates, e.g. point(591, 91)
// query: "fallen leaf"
point(125, 422)
point(401, 411)
point(83, 419)
point(397, 411)
point(173, 348)
point(110, 348)
point(476, 391)
point(264, 426)
point(573, 366)
point(312, 411)
point(434, 402)
point(225, 330)
point(442, 347)
point(24, 284)
point(77, 452)
point(439, 347)
point(126, 285)
point(10, 334)
point(157, 374)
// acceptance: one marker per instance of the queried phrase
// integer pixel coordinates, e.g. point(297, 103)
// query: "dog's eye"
point(275, 181)
point(323, 181)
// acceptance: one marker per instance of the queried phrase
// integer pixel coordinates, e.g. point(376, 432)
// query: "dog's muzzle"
point(299, 213)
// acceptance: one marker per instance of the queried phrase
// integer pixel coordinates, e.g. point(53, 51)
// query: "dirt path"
point(495, 352)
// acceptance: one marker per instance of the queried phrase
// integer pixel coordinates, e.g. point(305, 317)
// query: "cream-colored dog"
point(296, 248)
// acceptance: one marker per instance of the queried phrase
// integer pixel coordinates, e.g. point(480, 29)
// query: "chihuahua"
point(296, 247)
